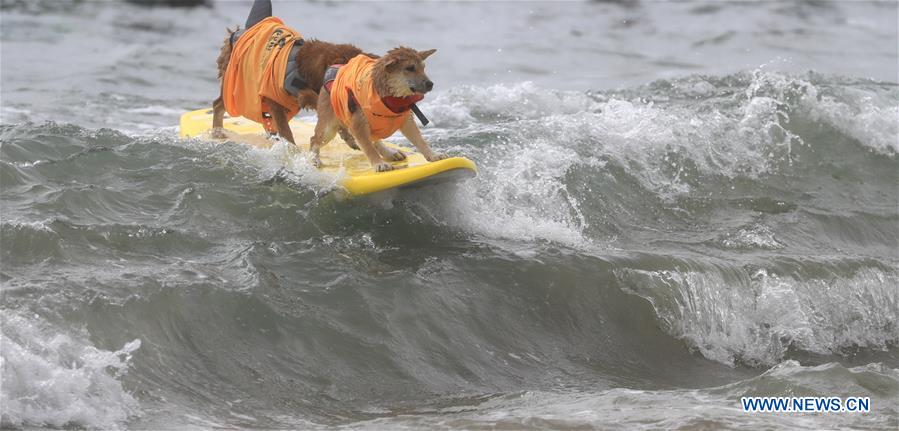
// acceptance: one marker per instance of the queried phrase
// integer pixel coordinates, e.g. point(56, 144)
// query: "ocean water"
point(678, 205)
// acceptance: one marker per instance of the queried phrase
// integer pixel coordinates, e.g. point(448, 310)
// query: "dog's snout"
point(429, 85)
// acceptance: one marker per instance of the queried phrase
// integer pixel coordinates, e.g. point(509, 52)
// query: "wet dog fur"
point(400, 73)
point(314, 57)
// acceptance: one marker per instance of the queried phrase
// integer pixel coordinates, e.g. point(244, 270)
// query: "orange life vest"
point(354, 80)
point(256, 70)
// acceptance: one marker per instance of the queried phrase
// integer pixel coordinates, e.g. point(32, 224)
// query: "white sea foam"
point(748, 140)
point(870, 118)
point(754, 318)
point(753, 236)
point(716, 407)
point(298, 165)
point(281, 159)
point(464, 105)
point(38, 226)
point(54, 379)
point(524, 197)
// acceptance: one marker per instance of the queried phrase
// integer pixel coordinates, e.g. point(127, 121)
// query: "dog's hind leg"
point(282, 123)
point(325, 128)
point(347, 137)
point(218, 106)
point(362, 133)
point(324, 133)
point(218, 118)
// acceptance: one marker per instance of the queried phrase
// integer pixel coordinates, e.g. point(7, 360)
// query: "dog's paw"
point(394, 155)
point(217, 133)
point(384, 167)
point(316, 161)
point(352, 144)
point(437, 156)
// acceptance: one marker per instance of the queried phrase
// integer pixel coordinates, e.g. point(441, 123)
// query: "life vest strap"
point(421, 115)
point(331, 75)
point(293, 81)
point(236, 35)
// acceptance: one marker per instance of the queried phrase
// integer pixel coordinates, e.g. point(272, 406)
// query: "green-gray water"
point(678, 205)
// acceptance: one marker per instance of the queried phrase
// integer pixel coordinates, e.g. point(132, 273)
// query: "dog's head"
point(405, 72)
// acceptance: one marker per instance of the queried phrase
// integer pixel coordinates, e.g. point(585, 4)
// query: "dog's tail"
point(225, 54)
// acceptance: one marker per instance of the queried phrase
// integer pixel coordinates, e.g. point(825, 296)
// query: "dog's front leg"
point(411, 132)
point(282, 123)
point(360, 130)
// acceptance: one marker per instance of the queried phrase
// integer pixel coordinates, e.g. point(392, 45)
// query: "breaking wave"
point(749, 219)
point(51, 379)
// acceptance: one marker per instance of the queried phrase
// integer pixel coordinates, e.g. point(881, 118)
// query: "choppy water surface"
point(678, 205)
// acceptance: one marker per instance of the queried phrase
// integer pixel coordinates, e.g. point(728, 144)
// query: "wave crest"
point(55, 380)
point(754, 318)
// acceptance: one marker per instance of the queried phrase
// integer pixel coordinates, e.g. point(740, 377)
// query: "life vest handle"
point(421, 116)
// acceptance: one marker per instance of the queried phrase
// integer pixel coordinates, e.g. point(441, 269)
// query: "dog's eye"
point(411, 68)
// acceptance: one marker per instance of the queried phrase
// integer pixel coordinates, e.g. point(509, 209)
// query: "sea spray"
point(58, 380)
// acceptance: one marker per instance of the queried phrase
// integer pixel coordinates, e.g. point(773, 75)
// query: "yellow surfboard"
point(357, 176)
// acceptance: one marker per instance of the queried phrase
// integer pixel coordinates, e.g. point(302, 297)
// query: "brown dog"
point(311, 60)
point(372, 98)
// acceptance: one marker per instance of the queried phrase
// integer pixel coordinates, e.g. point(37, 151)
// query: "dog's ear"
point(422, 55)
point(390, 62)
